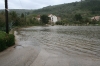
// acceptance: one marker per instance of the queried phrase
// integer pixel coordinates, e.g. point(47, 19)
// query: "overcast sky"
point(32, 4)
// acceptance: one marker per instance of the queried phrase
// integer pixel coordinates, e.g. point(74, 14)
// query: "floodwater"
point(54, 46)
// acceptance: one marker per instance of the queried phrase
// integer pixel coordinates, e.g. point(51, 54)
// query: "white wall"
point(53, 18)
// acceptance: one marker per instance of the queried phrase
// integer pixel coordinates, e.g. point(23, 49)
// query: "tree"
point(13, 16)
point(2, 20)
point(44, 19)
point(22, 15)
point(78, 17)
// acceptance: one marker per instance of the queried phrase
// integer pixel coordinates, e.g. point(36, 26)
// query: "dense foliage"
point(70, 13)
point(44, 19)
point(68, 9)
point(16, 19)
point(6, 40)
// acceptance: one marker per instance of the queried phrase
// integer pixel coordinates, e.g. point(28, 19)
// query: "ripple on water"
point(81, 40)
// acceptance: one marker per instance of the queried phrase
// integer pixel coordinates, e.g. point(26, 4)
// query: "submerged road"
point(54, 46)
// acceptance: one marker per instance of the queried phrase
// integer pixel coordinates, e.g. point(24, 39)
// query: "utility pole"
point(25, 18)
point(6, 16)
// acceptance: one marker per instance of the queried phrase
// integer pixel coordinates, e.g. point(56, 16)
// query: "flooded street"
point(54, 46)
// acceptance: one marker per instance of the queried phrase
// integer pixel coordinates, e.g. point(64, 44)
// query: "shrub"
point(2, 44)
point(10, 40)
point(2, 41)
point(6, 40)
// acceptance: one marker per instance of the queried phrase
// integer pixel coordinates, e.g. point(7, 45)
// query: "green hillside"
point(86, 7)
point(70, 13)
point(19, 11)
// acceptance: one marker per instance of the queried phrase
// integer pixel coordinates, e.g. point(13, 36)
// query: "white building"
point(38, 17)
point(97, 18)
point(53, 18)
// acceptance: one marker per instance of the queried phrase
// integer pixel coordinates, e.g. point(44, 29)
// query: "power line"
point(21, 3)
point(24, 10)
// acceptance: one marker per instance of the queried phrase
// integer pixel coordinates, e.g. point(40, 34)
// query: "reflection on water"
point(81, 40)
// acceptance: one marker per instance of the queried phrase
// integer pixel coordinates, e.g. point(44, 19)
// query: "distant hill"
point(70, 13)
point(87, 8)
point(67, 10)
point(19, 11)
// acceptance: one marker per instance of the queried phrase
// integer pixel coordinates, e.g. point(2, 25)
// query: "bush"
point(6, 40)
point(10, 40)
point(2, 41)
point(2, 44)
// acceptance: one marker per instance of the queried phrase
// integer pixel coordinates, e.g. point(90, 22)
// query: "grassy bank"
point(6, 40)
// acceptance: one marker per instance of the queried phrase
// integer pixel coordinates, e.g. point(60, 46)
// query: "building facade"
point(97, 18)
point(53, 18)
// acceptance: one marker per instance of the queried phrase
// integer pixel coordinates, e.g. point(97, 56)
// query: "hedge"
point(6, 40)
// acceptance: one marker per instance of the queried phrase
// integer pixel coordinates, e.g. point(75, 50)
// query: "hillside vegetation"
point(87, 7)
point(70, 13)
